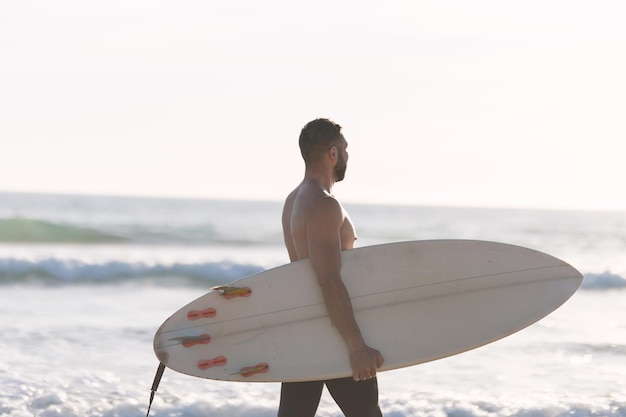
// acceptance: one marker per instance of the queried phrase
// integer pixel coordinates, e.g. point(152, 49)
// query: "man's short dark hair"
point(317, 137)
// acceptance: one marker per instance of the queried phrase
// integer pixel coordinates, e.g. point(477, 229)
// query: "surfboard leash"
point(155, 385)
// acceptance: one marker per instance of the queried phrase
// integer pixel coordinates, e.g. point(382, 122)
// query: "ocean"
point(85, 281)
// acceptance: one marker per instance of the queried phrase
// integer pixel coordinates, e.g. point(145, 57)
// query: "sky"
point(446, 103)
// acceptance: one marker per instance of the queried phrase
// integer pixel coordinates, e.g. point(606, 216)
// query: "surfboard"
point(414, 301)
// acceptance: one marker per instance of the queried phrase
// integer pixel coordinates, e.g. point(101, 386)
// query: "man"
point(316, 226)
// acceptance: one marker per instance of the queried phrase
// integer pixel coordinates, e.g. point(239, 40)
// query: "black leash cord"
point(155, 384)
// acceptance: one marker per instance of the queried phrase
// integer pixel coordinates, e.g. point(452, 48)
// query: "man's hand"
point(364, 362)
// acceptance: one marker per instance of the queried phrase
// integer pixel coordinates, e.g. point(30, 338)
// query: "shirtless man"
point(316, 226)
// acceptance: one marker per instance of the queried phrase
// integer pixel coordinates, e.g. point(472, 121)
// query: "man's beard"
point(340, 168)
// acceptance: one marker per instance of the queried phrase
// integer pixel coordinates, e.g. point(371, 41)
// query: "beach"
point(85, 281)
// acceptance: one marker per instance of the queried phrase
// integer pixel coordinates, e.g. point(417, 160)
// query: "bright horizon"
point(481, 104)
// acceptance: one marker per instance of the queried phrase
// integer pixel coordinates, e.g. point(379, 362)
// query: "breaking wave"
point(74, 271)
point(23, 230)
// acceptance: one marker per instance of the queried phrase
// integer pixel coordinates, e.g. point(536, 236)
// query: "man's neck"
point(323, 179)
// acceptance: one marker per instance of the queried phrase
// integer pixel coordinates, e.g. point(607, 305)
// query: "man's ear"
point(333, 152)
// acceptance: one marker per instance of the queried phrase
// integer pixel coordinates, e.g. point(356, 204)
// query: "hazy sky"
point(479, 103)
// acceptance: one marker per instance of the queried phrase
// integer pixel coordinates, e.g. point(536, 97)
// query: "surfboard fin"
point(232, 292)
point(189, 341)
point(253, 370)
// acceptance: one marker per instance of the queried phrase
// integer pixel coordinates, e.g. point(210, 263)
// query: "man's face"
point(342, 161)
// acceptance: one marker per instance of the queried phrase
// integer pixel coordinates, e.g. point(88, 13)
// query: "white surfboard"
point(414, 301)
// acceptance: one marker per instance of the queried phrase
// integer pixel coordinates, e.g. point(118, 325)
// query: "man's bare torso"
point(298, 208)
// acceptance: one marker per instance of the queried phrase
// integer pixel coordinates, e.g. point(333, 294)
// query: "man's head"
point(318, 138)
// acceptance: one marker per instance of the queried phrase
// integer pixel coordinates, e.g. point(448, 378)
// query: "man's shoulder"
point(312, 200)
point(324, 207)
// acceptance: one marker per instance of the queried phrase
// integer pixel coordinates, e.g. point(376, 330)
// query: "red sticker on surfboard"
point(207, 313)
point(209, 363)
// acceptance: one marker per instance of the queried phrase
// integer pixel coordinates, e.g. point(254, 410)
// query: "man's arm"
point(324, 243)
